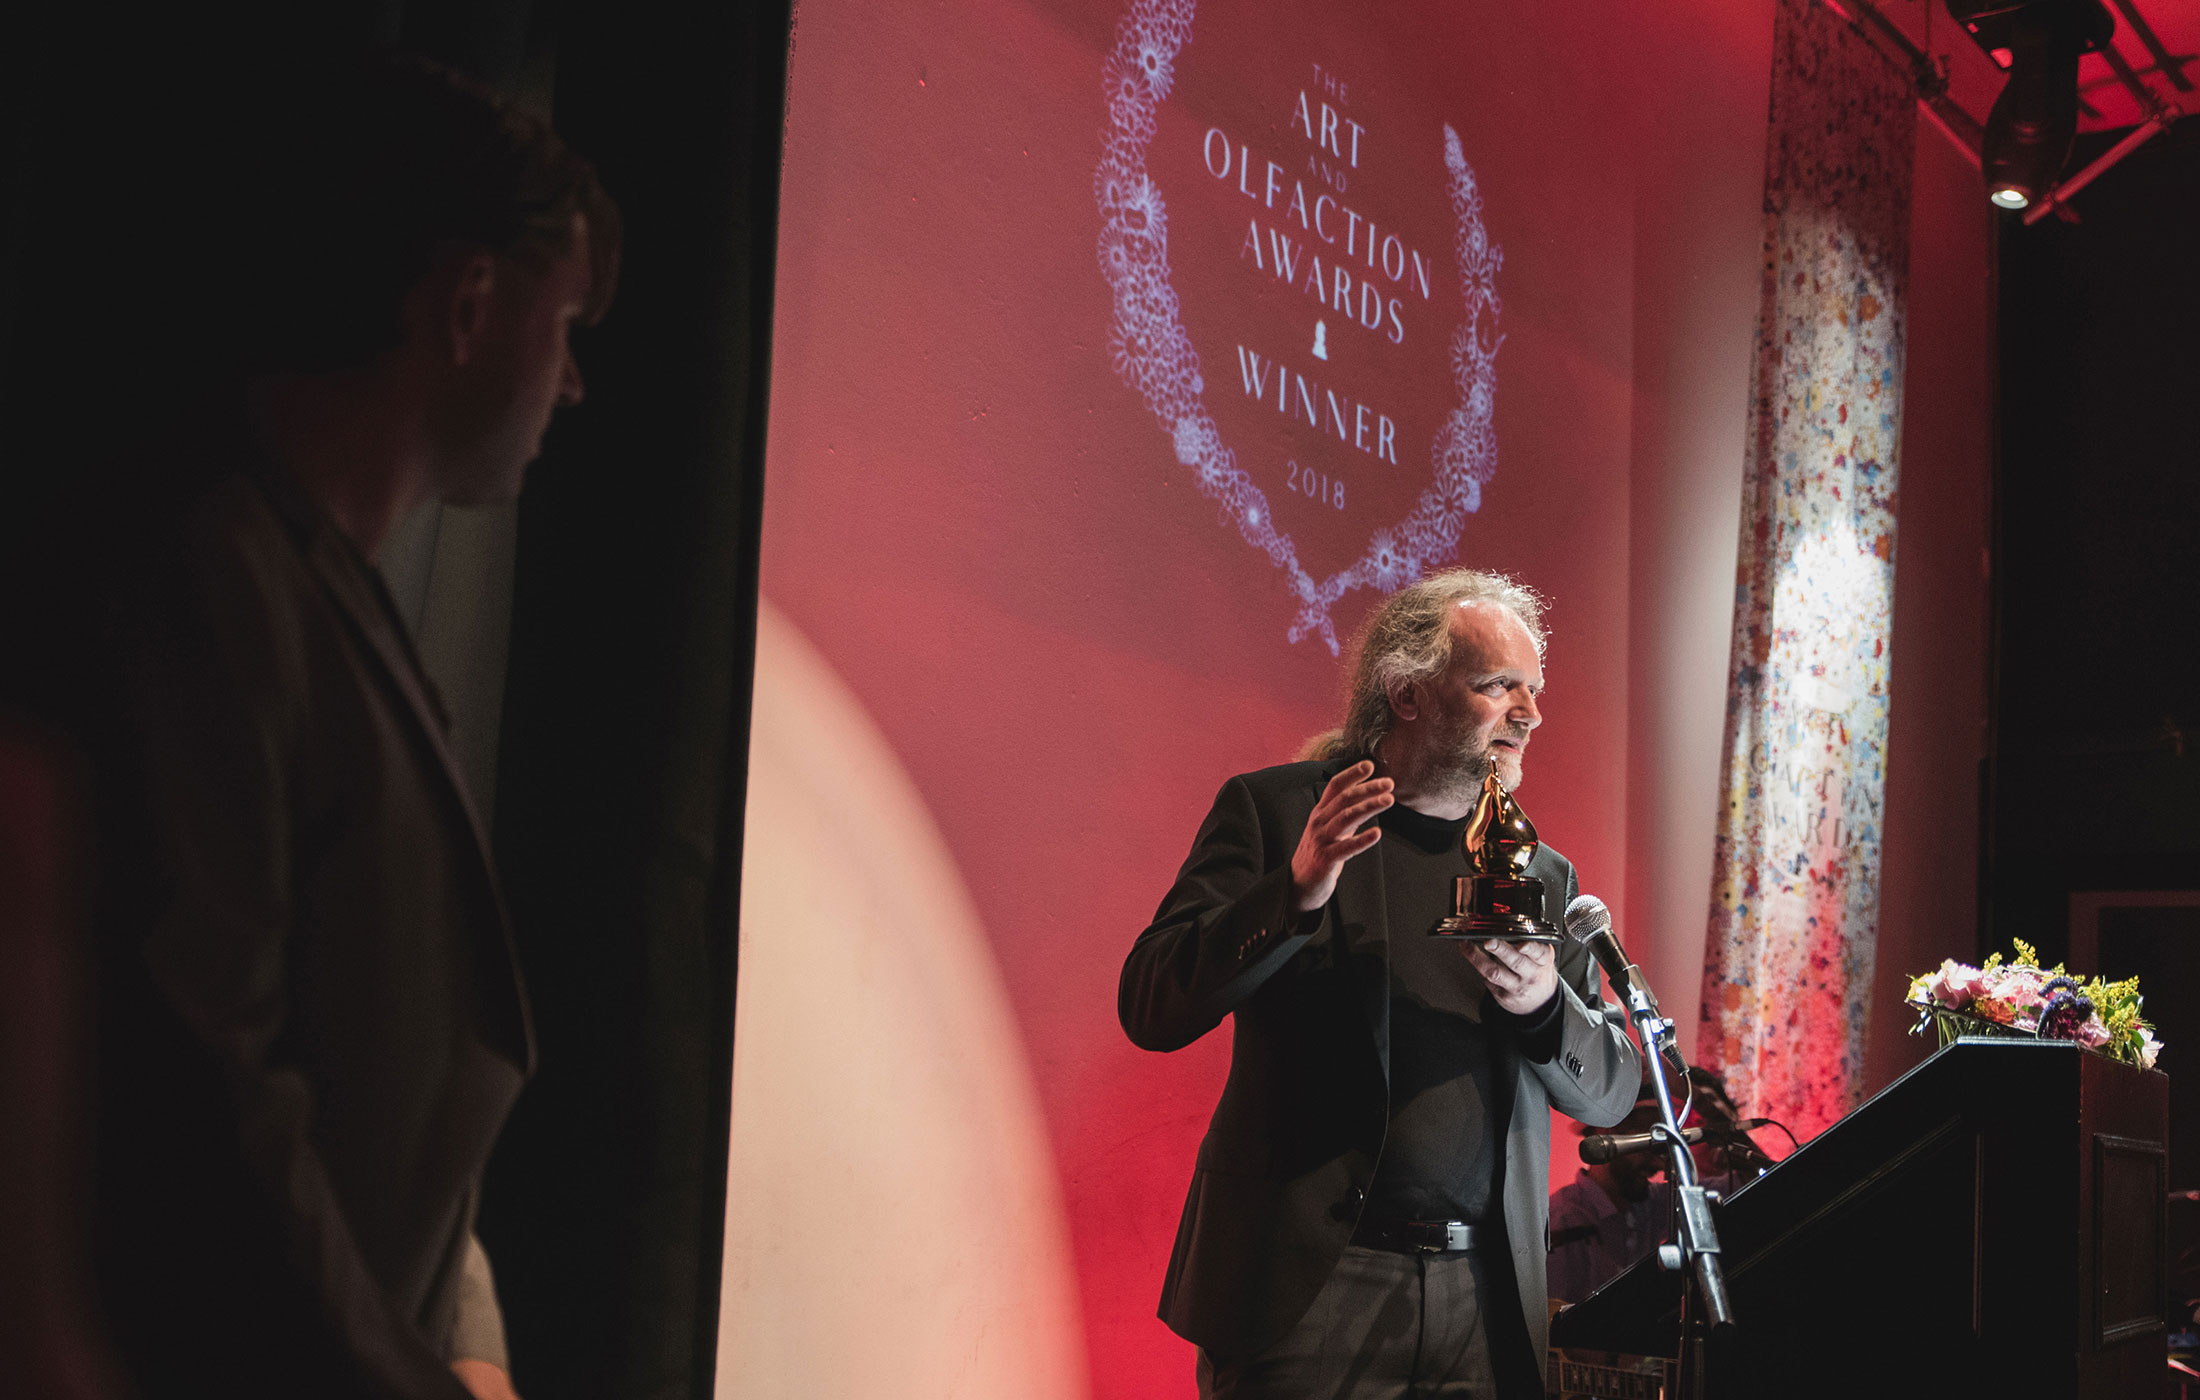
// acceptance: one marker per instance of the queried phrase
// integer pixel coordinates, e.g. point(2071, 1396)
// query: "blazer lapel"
point(366, 607)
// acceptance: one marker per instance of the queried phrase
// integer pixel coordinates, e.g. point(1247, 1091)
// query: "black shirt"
point(1443, 1154)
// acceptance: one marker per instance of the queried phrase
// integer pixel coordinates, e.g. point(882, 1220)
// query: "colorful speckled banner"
point(1795, 887)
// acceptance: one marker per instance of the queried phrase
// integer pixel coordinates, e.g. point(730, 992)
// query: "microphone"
point(1599, 1148)
point(1589, 922)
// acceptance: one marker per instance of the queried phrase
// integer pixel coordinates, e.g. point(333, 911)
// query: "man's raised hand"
point(1333, 834)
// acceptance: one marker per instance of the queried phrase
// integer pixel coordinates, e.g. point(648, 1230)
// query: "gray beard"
point(1458, 776)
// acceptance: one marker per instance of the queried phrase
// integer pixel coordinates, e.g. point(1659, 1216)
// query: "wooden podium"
point(1992, 1223)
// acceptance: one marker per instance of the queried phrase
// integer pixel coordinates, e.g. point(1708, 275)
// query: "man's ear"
point(1405, 701)
point(468, 290)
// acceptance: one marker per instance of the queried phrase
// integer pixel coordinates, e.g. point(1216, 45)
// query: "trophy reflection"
point(1500, 899)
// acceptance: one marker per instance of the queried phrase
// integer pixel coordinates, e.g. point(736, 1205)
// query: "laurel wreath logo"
point(1153, 355)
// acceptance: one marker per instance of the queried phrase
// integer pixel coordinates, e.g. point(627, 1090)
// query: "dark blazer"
point(1282, 1173)
point(312, 1025)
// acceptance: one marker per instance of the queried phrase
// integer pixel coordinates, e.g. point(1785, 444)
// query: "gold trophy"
point(1500, 899)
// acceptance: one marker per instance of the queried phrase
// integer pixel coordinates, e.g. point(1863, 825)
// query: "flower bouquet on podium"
point(2021, 998)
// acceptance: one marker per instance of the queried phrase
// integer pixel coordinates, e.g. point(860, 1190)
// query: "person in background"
point(310, 1021)
point(1613, 1213)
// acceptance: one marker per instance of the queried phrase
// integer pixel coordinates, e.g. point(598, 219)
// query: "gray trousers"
point(1389, 1326)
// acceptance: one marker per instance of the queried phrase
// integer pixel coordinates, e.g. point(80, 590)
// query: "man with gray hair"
point(1367, 1213)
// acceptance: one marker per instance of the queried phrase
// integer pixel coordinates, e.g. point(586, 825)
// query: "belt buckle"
point(1439, 1236)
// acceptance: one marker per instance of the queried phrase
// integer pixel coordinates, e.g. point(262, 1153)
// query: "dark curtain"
point(625, 730)
point(2098, 534)
point(620, 797)
point(2094, 757)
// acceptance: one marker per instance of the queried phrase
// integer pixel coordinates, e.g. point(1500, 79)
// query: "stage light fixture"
point(2034, 122)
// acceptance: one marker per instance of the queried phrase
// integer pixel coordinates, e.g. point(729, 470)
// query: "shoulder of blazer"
point(1551, 868)
point(1283, 781)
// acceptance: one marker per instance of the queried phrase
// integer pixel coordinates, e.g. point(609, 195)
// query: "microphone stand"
point(1695, 1250)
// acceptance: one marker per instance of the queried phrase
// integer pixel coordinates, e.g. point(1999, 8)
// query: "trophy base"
point(1486, 908)
point(1484, 928)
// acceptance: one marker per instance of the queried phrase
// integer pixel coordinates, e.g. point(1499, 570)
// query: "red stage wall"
point(1014, 569)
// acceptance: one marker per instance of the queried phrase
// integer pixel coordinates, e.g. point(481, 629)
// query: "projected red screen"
point(1124, 356)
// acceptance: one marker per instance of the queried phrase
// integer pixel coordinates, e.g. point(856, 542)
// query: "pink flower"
point(2091, 1033)
point(2018, 989)
point(1956, 986)
point(2149, 1049)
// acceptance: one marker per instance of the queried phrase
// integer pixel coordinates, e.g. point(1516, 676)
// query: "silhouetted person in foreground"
point(311, 1024)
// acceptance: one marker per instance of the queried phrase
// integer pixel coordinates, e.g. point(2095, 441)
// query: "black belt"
point(1424, 1236)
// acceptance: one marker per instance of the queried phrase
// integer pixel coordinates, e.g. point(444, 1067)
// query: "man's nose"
point(1524, 709)
point(569, 384)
